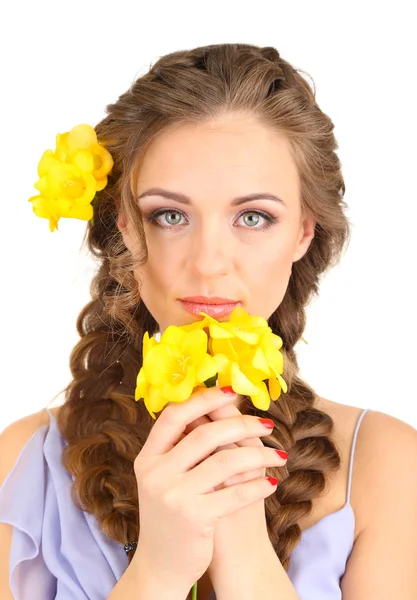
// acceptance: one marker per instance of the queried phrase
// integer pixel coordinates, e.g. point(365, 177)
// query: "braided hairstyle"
point(105, 428)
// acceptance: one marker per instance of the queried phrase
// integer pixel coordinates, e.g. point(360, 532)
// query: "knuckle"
point(241, 493)
point(173, 413)
point(148, 481)
point(199, 435)
point(222, 459)
point(171, 500)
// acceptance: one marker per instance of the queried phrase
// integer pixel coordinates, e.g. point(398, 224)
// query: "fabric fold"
point(22, 505)
point(58, 551)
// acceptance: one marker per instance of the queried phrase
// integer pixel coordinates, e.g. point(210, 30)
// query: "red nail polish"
point(282, 453)
point(268, 423)
point(228, 390)
point(272, 480)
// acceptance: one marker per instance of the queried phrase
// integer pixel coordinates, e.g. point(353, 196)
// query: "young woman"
point(226, 189)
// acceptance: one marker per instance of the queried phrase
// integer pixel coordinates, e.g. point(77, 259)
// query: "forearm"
point(263, 578)
point(138, 582)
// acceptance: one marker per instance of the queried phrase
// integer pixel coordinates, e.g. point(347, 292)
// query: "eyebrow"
point(183, 199)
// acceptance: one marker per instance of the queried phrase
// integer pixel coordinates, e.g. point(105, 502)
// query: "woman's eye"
point(171, 217)
point(252, 218)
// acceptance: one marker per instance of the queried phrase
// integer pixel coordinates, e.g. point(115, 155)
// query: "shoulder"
point(18, 515)
point(384, 497)
point(386, 464)
point(385, 460)
point(15, 437)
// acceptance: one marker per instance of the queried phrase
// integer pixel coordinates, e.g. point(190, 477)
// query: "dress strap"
point(51, 416)
point(352, 452)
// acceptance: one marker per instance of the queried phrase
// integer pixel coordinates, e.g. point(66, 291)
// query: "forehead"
point(236, 154)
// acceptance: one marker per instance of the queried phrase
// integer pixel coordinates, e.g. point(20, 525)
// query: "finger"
point(228, 500)
point(231, 410)
point(224, 465)
point(200, 443)
point(171, 424)
point(247, 476)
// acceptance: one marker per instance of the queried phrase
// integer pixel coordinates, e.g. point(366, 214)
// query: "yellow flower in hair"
point(80, 147)
point(70, 177)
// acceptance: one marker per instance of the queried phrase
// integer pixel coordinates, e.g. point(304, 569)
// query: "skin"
point(214, 249)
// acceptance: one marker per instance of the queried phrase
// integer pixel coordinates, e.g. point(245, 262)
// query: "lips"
point(214, 307)
point(208, 300)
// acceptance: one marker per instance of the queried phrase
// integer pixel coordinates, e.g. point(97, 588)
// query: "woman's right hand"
point(177, 475)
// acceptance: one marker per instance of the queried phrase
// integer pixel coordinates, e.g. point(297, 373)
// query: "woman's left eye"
point(251, 218)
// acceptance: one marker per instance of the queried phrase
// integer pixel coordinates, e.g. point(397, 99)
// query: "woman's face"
point(209, 244)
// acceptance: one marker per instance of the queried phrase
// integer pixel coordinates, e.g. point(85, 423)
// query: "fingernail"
point(228, 390)
point(272, 480)
point(282, 453)
point(268, 423)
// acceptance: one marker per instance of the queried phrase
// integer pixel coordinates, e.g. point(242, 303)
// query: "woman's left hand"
point(241, 537)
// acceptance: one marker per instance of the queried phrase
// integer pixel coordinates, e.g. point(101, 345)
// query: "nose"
point(210, 254)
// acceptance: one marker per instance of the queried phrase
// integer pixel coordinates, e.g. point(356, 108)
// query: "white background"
point(62, 62)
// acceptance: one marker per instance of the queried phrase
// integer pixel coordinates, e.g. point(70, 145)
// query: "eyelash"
point(270, 220)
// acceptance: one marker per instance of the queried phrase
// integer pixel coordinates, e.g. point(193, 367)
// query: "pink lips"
point(214, 306)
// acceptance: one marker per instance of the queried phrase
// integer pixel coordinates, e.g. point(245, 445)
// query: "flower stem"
point(194, 592)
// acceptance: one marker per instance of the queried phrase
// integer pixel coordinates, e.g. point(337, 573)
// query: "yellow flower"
point(80, 146)
point(247, 353)
point(242, 352)
point(173, 367)
point(142, 385)
point(70, 177)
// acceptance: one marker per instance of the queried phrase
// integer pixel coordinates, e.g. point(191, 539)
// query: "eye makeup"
point(153, 217)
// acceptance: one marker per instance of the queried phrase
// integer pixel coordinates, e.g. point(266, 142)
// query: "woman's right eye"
point(172, 217)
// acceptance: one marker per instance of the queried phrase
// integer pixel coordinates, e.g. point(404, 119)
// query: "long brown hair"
point(104, 426)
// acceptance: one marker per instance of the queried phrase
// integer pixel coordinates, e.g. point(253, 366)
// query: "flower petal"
point(155, 400)
point(206, 368)
point(101, 183)
point(173, 336)
point(159, 363)
point(240, 383)
point(274, 388)
point(283, 383)
point(47, 161)
point(262, 399)
point(81, 212)
point(183, 390)
point(81, 137)
point(259, 362)
point(84, 161)
point(103, 161)
point(194, 344)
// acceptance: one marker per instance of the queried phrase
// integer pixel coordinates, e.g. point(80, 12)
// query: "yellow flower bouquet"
point(242, 353)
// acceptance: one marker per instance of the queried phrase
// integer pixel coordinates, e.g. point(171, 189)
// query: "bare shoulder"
point(384, 499)
point(385, 456)
point(386, 463)
point(16, 435)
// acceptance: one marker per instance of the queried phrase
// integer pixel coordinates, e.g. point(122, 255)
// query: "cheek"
point(268, 275)
point(159, 272)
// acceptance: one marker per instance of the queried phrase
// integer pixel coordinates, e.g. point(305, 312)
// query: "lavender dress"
point(59, 552)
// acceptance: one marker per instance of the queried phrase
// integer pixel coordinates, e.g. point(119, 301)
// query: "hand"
point(179, 501)
point(243, 534)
